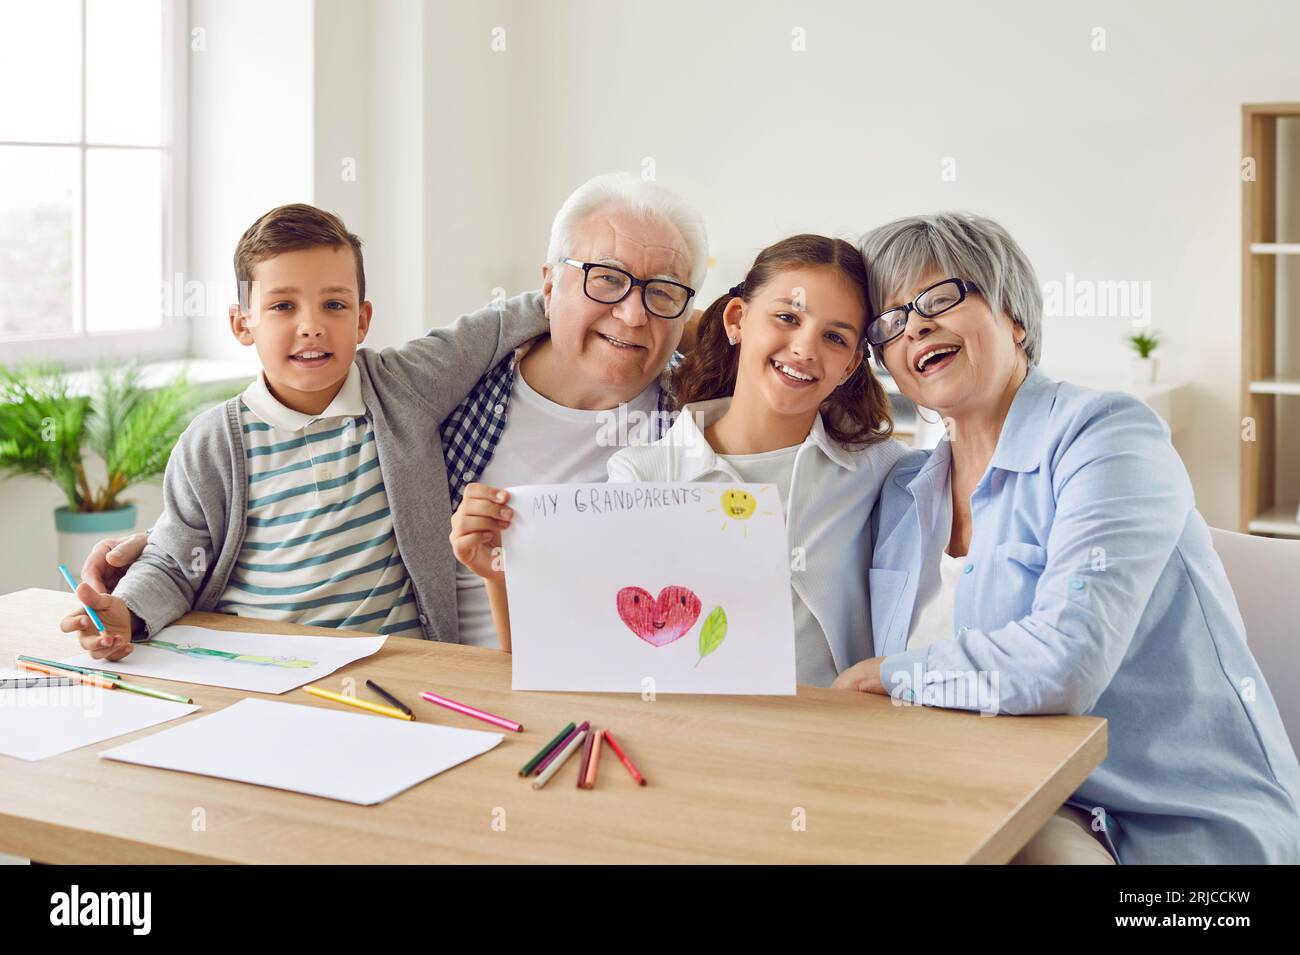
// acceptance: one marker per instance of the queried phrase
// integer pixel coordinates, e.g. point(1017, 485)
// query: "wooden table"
point(730, 778)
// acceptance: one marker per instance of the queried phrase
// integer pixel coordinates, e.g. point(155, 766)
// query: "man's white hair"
point(648, 199)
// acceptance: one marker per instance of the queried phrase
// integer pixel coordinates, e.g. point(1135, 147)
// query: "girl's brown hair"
point(857, 412)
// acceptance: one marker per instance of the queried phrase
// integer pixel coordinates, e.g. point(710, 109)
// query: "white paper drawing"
point(671, 587)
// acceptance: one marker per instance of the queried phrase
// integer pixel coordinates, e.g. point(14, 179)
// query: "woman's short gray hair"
point(622, 190)
point(959, 245)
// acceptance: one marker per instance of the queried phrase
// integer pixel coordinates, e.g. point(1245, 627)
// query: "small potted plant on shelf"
point(1143, 367)
point(46, 426)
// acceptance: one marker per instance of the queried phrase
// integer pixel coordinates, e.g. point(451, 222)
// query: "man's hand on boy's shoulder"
point(438, 369)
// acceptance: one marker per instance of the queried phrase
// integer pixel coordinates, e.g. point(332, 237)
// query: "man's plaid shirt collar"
point(471, 432)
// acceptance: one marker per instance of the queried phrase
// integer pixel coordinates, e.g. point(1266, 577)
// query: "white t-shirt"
point(814, 665)
point(544, 443)
point(932, 620)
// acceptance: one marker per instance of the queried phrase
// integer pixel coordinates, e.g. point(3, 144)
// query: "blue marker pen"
point(94, 617)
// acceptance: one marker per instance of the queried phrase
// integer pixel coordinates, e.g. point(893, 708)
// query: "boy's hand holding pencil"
point(114, 642)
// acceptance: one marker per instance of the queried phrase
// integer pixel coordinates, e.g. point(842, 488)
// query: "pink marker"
point(500, 721)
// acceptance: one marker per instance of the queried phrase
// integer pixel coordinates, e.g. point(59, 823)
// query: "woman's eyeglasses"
point(930, 303)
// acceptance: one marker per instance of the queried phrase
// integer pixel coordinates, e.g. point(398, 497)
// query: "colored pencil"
point(552, 769)
point(541, 767)
point(70, 666)
point(618, 751)
point(546, 750)
point(468, 710)
point(88, 679)
point(94, 679)
point(149, 691)
point(585, 761)
point(94, 617)
point(594, 763)
point(390, 698)
point(360, 704)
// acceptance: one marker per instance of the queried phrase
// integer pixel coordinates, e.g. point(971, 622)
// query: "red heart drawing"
point(659, 622)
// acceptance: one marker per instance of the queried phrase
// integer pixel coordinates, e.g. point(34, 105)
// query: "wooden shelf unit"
point(1261, 385)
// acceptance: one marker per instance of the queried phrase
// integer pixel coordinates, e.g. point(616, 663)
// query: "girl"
point(775, 392)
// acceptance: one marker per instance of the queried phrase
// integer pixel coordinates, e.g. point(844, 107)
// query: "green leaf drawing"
point(713, 632)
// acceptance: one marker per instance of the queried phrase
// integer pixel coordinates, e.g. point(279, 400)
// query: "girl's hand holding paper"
point(476, 529)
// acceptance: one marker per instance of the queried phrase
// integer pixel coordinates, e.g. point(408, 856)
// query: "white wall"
point(394, 179)
point(339, 96)
point(251, 136)
point(478, 155)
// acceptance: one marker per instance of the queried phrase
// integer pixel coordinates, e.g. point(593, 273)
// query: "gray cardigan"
point(408, 391)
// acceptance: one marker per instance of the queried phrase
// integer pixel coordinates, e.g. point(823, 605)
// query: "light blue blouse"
point(1092, 587)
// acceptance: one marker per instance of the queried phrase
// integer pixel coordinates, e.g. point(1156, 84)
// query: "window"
point(90, 163)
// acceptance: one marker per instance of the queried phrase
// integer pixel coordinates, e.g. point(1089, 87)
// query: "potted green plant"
point(1143, 367)
point(47, 425)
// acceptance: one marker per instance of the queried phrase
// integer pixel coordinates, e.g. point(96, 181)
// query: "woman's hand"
point(863, 677)
point(476, 529)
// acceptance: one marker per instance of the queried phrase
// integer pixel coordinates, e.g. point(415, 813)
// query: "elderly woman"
point(1050, 550)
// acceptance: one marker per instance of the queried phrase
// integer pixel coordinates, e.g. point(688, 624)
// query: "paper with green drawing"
point(261, 662)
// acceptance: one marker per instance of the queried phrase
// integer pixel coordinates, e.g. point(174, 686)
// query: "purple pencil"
point(586, 725)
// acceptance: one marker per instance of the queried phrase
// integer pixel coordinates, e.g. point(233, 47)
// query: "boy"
point(308, 497)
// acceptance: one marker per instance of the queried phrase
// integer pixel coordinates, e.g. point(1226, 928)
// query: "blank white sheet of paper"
point(39, 722)
point(353, 757)
point(260, 662)
point(668, 587)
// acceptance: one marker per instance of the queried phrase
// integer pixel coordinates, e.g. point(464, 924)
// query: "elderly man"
point(623, 263)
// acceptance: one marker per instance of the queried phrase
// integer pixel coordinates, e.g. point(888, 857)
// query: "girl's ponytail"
point(709, 369)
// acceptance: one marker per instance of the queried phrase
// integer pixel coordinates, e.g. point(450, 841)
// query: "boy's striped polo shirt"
point(319, 546)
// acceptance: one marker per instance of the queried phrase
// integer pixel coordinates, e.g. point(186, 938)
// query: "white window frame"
point(80, 349)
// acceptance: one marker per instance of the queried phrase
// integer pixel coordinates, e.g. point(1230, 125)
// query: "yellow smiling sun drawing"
point(738, 505)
